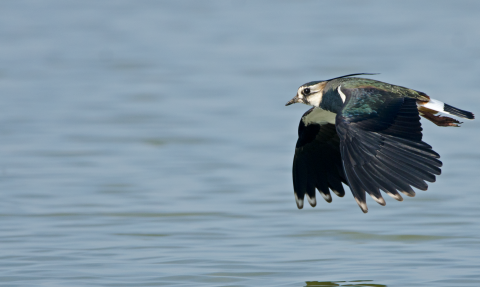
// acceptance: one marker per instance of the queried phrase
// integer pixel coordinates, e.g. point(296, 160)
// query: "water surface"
point(147, 144)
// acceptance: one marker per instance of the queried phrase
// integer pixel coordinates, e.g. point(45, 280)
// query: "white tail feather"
point(434, 105)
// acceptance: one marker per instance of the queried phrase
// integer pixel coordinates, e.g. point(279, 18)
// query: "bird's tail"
point(429, 110)
point(457, 112)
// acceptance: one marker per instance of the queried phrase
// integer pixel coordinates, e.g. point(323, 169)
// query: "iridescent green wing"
point(381, 143)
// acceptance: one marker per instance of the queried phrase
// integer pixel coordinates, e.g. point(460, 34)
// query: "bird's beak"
point(293, 101)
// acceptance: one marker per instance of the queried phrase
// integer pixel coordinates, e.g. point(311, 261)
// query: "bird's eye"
point(306, 91)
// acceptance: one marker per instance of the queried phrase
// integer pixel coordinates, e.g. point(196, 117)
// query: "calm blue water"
point(146, 143)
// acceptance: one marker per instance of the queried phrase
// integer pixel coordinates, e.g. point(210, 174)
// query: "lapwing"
point(367, 135)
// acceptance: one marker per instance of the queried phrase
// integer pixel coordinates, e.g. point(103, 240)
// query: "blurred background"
point(146, 143)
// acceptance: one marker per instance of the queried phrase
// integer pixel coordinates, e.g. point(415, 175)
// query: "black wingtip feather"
point(317, 163)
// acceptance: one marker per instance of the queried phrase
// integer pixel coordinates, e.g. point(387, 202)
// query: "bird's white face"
point(309, 94)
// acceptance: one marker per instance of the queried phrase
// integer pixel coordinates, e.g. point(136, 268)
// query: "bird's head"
point(310, 94)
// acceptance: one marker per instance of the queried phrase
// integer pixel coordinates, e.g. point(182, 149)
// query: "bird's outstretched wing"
point(317, 162)
point(381, 145)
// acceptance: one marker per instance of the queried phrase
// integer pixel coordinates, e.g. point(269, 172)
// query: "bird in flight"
point(367, 135)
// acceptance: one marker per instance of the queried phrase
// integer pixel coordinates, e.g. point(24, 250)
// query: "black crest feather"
point(351, 75)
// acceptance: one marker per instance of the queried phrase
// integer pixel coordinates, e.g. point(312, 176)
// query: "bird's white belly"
point(320, 116)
